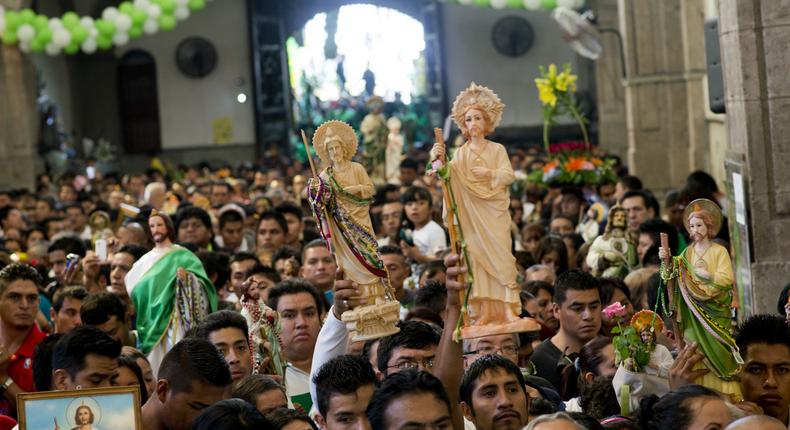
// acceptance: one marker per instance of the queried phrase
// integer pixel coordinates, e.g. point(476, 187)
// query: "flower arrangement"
point(629, 349)
point(567, 164)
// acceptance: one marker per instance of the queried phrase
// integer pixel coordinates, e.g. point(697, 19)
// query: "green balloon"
point(44, 35)
point(27, 16)
point(548, 4)
point(72, 48)
point(516, 4)
point(104, 42)
point(482, 3)
point(9, 37)
point(70, 19)
point(167, 22)
point(138, 17)
point(168, 7)
point(37, 45)
point(79, 34)
point(196, 4)
point(40, 23)
point(135, 32)
point(126, 8)
point(12, 21)
point(106, 28)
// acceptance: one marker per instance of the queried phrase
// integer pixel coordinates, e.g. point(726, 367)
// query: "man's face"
point(294, 228)
point(120, 265)
point(301, 324)
point(19, 304)
point(232, 234)
point(54, 227)
point(580, 314)
point(15, 220)
point(99, 371)
point(180, 410)
point(765, 378)
point(233, 345)
point(68, 317)
point(407, 176)
point(115, 328)
point(57, 261)
point(319, 267)
point(498, 402)
point(570, 206)
point(43, 211)
point(192, 230)
point(397, 269)
point(270, 235)
point(391, 218)
point(561, 226)
point(237, 271)
point(403, 358)
point(220, 196)
point(76, 219)
point(643, 244)
point(271, 400)
point(637, 212)
point(505, 345)
point(347, 411)
point(158, 229)
point(606, 193)
point(417, 411)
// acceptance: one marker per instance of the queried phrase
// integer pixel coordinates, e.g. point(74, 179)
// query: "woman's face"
point(148, 375)
point(475, 123)
point(126, 377)
point(551, 259)
point(709, 414)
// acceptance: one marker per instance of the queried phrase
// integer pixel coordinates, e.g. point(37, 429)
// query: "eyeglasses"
point(488, 350)
point(426, 364)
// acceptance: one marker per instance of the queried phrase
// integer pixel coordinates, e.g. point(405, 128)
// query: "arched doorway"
point(139, 103)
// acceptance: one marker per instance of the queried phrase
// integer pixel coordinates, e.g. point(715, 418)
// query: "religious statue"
point(265, 329)
point(700, 290)
point(612, 255)
point(647, 325)
point(340, 198)
point(374, 138)
point(170, 291)
point(480, 175)
point(394, 153)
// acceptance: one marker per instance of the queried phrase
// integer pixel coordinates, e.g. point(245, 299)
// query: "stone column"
point(664, 93)
point(754, 36)
point(18, 116)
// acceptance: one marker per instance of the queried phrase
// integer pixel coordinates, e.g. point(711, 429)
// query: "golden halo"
point(704, 205)
point(479, 97)
point(644, 319)
point(344, 131)
point(374, 102)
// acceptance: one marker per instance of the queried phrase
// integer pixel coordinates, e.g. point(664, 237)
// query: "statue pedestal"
point(517, 326)
point(373, 321)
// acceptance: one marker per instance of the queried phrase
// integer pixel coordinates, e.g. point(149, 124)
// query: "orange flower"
point(597, 162)
point(574, 163)
point(548, 167)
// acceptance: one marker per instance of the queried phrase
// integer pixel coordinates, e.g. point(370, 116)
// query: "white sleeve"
point(331, 343)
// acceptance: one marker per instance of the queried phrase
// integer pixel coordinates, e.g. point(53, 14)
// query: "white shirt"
point(331, 343)
point(297, 384)
point(430, 239)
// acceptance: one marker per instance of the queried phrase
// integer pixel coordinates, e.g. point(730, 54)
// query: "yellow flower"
point(566, 81)
point(546, 92)
point(552, 72)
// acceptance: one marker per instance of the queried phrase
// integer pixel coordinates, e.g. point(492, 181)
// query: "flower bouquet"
point(568, 164)
point(629, 348)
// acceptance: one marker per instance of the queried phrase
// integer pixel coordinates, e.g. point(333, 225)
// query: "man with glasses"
point(505, 345)
point(414, 347)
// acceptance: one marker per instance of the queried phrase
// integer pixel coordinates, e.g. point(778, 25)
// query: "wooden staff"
point(450, 210)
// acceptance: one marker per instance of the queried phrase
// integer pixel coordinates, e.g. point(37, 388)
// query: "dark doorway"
point(139, 103)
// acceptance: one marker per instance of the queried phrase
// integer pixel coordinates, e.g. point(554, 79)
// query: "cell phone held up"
point(100, 247)
point(407, 235)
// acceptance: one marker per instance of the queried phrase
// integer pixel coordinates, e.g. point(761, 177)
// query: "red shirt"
point(21, 367)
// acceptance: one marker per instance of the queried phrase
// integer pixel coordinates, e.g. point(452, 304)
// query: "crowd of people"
point(79, 307)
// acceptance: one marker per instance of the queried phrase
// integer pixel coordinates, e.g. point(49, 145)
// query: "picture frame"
point(110, 408)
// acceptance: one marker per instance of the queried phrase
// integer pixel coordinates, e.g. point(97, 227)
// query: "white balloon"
point(89, 46)
point(2, 23)
point(120, 39)
point(87, 22)
point(182, 2)
point(93, 32)
point(2, 9)
point(181, 13)
point(498, 4)
point(61, 37)
point(150, 26)
point(123, 22)
point(52, 48)
point(154, 11)
point(25, 33)
point(142, 4)
point(566, 3)
point(532, 4)
point(55, 23)
point(24, 46)
point(110, 14)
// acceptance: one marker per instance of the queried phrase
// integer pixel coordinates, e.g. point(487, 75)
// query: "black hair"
point(227, 186)
point(190, 212)
point(284, 253)
point(216, 264)
point(413, 194)
point(272, 215)
point(403, 383)
point(586, 421)
point(73, 206)
point(18, 271)
point(136, 251)
point(412, 335)
point(5, 211)
point(433, 296)
point(287, 207)
point(768, 329)
point(631, 182)
point(250, 387)
point(71, 292)
point(703, 179)
point(131, 363)
point(282, 417)
point(382, 191)
point(391, 249)
point(783, 300)
point(229, 216)
point(655, 226)
point(222, 319)
point(69, 245)
point(70, 351)
point(243, 256)
point(606, 287)
point(409, 163)
point(573, 280)
point(194, 360)
point(672, 411)
point(551, 244)
point(431, 268)
point(534, 287)
point(98, 308)
point(231, 414)
point(647, 197)
point(42, 362)
point(295, 286)
point(426, 315)
point(479, 367)
point(341, 375)
point(266, 271)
